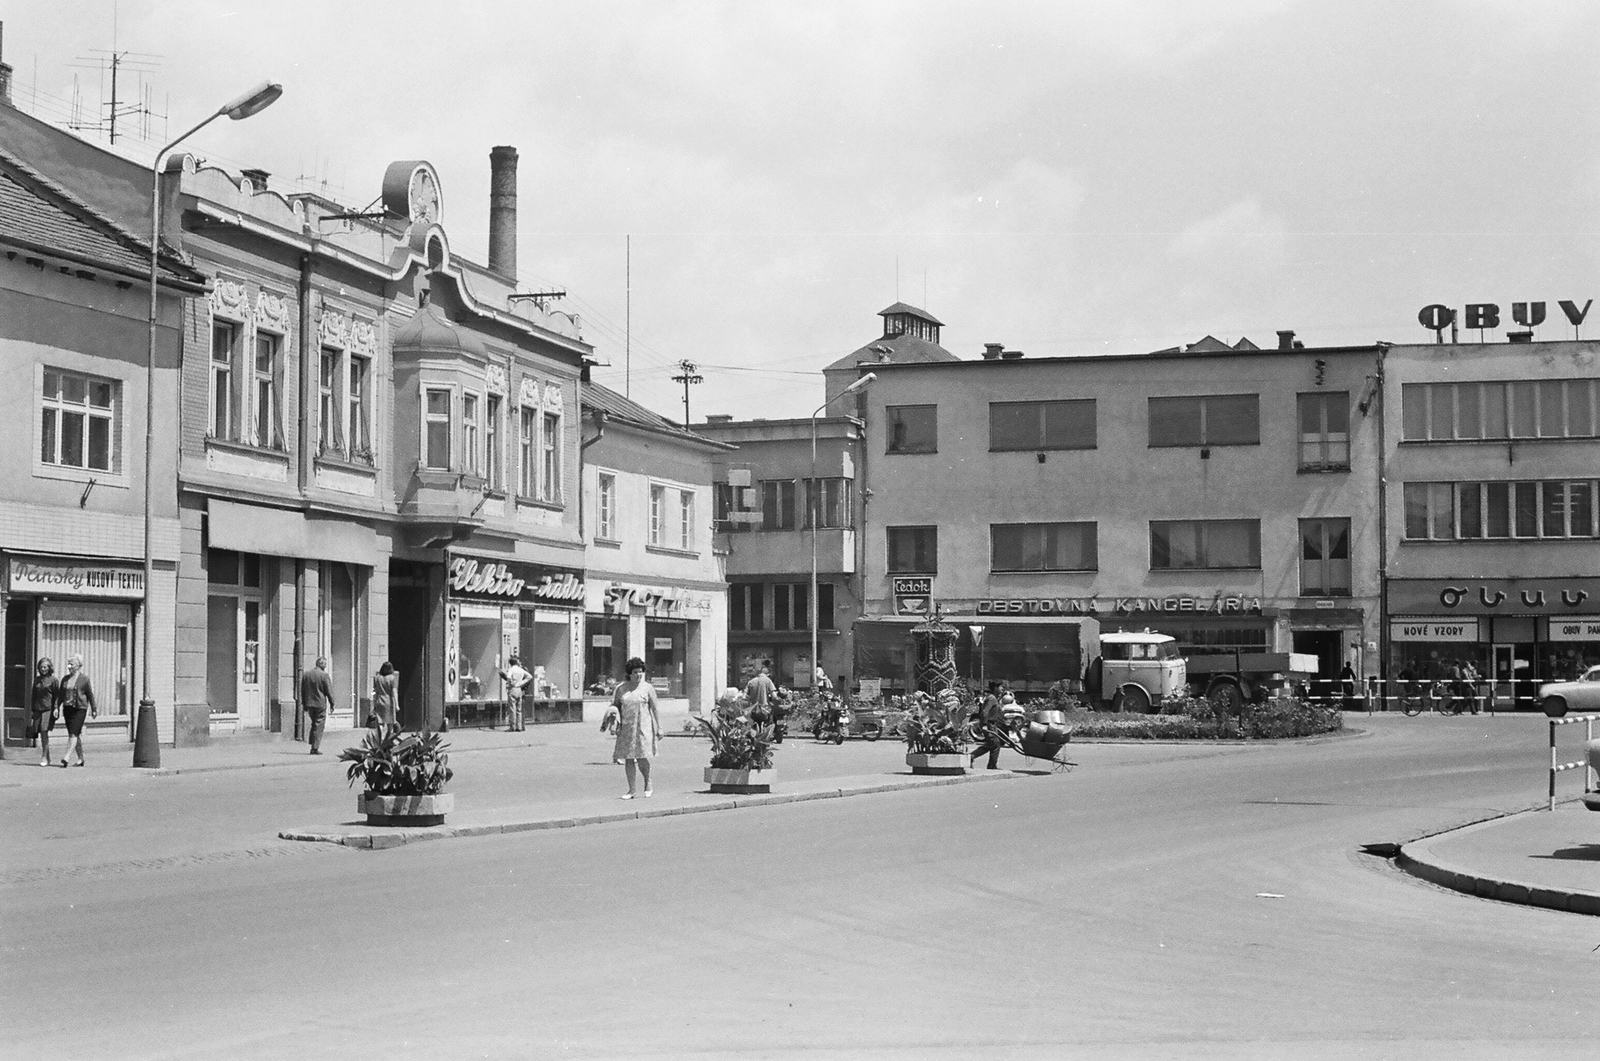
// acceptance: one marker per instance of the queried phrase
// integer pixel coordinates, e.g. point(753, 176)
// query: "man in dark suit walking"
point(316, 697)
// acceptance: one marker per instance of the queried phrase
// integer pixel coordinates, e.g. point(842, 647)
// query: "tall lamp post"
point(814, 510)
point(146, 741)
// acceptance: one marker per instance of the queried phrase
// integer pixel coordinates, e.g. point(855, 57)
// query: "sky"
point(744, 185)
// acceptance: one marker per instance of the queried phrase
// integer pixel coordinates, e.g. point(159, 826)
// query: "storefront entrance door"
point(233, 659)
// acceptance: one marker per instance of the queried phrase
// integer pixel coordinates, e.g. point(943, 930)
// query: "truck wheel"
point(1227, 697)
point(1554, 706)
point(1132, 700)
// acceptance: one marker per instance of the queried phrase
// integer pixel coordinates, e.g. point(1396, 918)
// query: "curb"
point(1419, 862)
point(399, 837)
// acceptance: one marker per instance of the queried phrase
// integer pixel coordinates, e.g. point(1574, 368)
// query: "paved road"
point(1158, 901)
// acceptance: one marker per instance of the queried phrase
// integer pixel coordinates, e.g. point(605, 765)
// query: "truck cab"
point(1137, 672)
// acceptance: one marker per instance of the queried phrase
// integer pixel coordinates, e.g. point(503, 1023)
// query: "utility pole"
point(687, 376)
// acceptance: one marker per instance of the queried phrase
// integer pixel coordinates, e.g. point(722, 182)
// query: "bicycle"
point(1443, 697)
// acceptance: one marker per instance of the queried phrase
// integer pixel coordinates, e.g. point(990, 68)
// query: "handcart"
point(1044, 741)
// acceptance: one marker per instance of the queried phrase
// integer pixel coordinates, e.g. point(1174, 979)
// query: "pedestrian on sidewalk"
point(991, 720)
point(516, 678)
point(1347, 687)
point(638, 725)
point(316, 698)
point(385, 694)
point(760, 692)
point(46, 700)
point(77, 703)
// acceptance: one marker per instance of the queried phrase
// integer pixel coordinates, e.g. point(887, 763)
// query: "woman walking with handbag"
point(385, 692)
point(638, 725)
point(46, 698)
point(77, 702)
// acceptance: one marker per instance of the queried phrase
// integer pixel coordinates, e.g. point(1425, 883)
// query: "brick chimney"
point(503, 212)
point(1286, 340)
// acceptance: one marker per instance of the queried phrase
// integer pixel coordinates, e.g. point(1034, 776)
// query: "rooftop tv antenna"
point(686, 376)
point(119, 63)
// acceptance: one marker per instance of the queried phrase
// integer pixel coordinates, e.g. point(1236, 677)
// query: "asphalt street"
point(1156, 901)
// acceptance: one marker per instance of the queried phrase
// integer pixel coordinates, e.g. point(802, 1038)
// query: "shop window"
point(545, 641)
point(339, 629)
point(606, 507)
point(1435, 412)
point(224, 418)
point(913, 550)
point(470, 461)
point(912, 428)
point(79, 422)
point(1205, 544)
point(828, 503)
point(606, 653)
point(1325, 431)
point(478, 676)
point(1042, 425)
point(778, 504)
point(493, 460)
point(1043, 547)
point(436, 429)
point(1206, 420)
point(1324, 558)
point(665, 642)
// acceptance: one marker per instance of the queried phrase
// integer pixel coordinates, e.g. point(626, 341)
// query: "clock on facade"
point(411, 191)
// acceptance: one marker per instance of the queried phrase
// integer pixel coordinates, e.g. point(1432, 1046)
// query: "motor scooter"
point(832, 721)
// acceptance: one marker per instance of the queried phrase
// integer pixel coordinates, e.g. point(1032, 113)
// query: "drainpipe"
point(303, 449)
point(1383, 523)
point(600, 432)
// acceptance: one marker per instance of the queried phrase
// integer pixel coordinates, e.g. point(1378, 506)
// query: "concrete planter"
point(740, 782)
point(405, 810)
point(946, 763)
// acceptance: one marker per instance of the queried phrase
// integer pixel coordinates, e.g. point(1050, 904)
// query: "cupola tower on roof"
point(904, 319)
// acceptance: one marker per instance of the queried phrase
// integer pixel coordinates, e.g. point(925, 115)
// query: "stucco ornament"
point(552, 398)
point(494, 378)
point(333, 328)
point(272, 312)
point(528, 394)
point(231, 299)
point(363, 337)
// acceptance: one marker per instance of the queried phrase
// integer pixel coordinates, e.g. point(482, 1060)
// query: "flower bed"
point(1198, 719)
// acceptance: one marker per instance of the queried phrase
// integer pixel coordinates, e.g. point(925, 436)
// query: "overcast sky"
point(1066, 177)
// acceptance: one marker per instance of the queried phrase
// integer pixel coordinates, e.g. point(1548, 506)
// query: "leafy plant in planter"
point(393, 763)
point(404, 776)
point(937, 733)
point(741, 750)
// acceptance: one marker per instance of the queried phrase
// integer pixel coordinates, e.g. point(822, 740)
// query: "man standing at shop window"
point(316, 698)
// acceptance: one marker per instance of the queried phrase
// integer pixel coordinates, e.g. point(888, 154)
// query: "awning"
point(281, 532)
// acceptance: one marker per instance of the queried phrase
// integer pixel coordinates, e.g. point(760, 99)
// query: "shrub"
point(937, 727)
point(396, 764)
point(738, 742)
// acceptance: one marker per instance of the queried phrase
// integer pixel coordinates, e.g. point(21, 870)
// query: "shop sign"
point(1495, 596)
point(509, 580)
point(1487, 314)
point(913, 605)
point(1217, 604)
point(1464, 630)
point(621, 597)
point(1579, 630)
point(913, 587)
point(73, 578)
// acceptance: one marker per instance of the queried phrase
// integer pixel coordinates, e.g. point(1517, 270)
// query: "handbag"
point(32, 730)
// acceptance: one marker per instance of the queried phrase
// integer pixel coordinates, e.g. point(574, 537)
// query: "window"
point(493, 462)
point(78, 422)
point(550, 477)
point(828, 503)
point(436, 429)
point(686, 520)
point(264, 391)
point(777, 504)
point(782, 616)
point(470, 462)
point(1554, 408)
point(1177, 545)
point(328, 404)
point(1042, 425)
point(1325, 558)
point(528, 467)
point(912, 429)
point(360, 430)
point(1559, 508)
point(1325, 432)
point(658, 504)
point(825, 606)
point(606, 507)
point(1043, 547)
point(914, 550)
point(224, 410)
point(737, 508)
point(1208, 420)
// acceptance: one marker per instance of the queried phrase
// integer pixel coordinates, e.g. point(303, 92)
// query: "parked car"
point(1583, 694)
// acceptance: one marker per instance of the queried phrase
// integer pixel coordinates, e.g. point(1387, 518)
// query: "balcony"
point(439, 507)
point(760, 552)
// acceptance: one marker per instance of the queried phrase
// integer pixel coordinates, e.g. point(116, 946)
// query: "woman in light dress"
point(638, 726)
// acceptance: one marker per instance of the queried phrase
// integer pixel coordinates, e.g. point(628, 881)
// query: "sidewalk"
point(1536, 857)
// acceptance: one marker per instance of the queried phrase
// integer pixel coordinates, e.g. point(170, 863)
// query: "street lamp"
point(815, 510)
point(146, 741)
